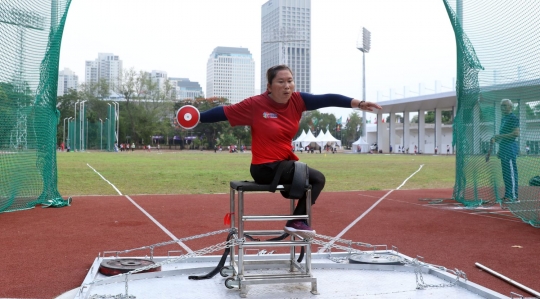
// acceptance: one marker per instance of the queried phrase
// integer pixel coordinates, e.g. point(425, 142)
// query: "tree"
point(128, 87)
point(103, 89)
point(315, 121)
point(353, 130)
point(446, 117)
point(148, 105)
point(529, 112)
point(429, 118)
point(226, 139)
point(212, 132)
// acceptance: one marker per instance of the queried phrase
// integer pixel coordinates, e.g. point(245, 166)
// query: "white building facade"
point(230, 74)
point(107, 66)
point(186, 89)
point(286, 39)
point(67, 79)
point(159, 78)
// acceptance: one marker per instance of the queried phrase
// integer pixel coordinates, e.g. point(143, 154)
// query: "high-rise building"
point(107, 66)
point(286, 39)
point(230, 74)
point(159, 77)
point(185, 89)
point(67, 80)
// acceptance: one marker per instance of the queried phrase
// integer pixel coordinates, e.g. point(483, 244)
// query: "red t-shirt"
point(273, 125)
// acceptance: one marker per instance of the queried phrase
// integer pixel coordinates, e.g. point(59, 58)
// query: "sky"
point(412, 42)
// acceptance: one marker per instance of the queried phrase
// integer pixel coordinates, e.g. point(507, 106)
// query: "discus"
point(188, 117)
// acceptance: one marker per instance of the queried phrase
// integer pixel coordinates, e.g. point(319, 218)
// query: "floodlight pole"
point(364, 47)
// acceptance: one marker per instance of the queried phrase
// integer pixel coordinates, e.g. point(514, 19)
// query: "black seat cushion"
point(252, 186)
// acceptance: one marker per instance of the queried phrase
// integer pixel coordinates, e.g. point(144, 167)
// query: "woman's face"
point(281, 87)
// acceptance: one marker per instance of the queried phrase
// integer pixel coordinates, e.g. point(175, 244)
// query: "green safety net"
point(30, 37)
point(83, 135)
point(498, 98)
point(91, 136)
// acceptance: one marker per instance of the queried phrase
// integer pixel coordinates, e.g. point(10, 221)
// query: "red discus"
point(188, 117)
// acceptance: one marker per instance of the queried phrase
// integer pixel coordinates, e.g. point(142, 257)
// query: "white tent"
point(309, 138)
point(321, 139)
point(331, 139)
point(298, 142)
point(361, 144)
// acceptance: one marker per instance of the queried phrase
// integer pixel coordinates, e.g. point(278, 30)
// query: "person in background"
point(508, 150)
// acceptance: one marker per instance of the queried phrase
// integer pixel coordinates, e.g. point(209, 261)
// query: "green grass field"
point(195, 172)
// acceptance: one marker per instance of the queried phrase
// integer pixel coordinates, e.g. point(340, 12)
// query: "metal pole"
point(364, 133)
point(109, 135)
point(86, 133)
point(80, 124)
point(118, 124)
point(101, 135)
point(117, 118)
point(69, 140)
point(115, 121)
point(81, 131)
point(68, 118)
point(64, 131)
point(107, 120)
point(75, 128)
point(109, 128)
point(517, 284)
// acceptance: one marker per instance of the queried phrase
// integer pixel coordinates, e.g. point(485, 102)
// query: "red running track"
point(49, 251)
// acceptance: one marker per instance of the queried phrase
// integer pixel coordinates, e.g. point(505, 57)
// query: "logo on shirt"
point(269, 115)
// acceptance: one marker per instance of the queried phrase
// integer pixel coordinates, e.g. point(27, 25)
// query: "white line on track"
point(366, 212)
point(144, 212)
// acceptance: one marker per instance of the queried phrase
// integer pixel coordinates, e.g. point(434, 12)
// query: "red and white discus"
point(188, 117)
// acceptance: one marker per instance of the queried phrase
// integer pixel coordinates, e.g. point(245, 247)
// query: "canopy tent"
point(360, 144)
point(327, 139)
point(298, 142)
point(331, 139)
point(320, 139)
point(309, 138)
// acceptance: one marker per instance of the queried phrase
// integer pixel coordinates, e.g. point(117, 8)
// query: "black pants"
point(264, 174)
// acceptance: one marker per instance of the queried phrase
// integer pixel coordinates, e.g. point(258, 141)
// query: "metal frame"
point(297, 272)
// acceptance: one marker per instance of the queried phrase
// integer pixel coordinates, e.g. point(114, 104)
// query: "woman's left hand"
point(369, 106)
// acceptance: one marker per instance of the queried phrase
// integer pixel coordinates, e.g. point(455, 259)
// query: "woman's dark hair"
point(272, 72)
